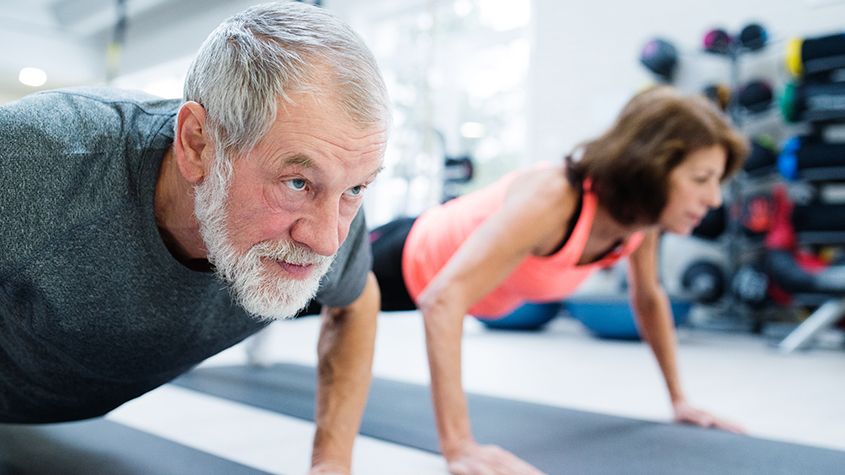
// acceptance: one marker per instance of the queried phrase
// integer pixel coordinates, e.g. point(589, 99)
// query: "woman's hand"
point(687, 414)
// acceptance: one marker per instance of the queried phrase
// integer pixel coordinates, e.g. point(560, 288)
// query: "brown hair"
point(630, 163)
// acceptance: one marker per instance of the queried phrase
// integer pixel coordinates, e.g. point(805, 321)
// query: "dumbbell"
point(815, 56)
point(813, 102)
point(819, 218)
point(809, 157)
point(660, 57)
point(704, 280)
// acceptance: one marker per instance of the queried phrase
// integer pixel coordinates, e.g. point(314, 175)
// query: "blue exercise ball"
point(613, 317)
point(528, 317)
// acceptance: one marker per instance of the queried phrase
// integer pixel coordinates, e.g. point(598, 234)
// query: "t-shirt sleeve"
point(347, 276)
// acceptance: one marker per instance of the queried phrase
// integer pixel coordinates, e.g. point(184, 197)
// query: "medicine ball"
point(753, 36)
point(660, 57)
point(717, 41)
point(755, 96)
point(720, 94)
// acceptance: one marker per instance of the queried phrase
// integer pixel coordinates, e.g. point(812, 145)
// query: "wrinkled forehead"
point(309, 136)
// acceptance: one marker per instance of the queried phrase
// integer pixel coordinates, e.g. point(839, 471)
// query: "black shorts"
point(387, 242)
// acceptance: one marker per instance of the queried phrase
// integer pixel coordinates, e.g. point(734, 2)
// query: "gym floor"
point(794, 398)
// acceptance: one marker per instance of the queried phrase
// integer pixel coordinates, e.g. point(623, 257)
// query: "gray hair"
point(268, 51)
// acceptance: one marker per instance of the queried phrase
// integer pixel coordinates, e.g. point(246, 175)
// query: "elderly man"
point(122, 214)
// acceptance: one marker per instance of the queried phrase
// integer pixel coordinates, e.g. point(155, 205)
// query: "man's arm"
point(345, 358)
point(654, 318)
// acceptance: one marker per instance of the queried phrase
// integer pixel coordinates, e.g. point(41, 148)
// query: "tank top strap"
point(574, 247)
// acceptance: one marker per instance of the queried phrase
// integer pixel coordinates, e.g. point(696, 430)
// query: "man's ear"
point(192, 145)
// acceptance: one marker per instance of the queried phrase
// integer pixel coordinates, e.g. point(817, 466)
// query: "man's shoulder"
point(70, 131)
point(61, 118)
point(94, 97)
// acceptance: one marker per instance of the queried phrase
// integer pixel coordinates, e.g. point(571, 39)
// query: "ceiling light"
point(472, 130)
point(32, 76)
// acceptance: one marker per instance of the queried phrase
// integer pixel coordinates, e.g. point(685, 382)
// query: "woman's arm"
point(523, 225)
point(654, 318)
point(652, 310)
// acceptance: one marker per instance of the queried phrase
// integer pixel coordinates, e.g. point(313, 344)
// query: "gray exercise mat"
point(102, 447)
point(554, 439)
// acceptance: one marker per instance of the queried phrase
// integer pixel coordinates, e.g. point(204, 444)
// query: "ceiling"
point(69, 38)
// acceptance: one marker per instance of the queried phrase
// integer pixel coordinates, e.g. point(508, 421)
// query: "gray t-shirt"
point(94, 310)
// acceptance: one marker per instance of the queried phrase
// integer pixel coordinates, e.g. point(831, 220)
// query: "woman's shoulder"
point(544, 189)
point(547, 184)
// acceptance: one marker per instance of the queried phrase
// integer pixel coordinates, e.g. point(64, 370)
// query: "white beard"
point(265, 296)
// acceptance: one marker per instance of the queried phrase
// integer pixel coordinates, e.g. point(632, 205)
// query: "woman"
point(536, 234)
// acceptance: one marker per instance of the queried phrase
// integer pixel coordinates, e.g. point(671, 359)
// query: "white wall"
point(584, 54)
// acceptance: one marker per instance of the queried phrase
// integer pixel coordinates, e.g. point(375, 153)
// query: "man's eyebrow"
point(298, 160)
point(374, 174)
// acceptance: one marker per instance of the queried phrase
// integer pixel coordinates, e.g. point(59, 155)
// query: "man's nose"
point(319, 230)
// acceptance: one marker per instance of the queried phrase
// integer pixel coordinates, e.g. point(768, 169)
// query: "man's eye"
point(355, 190)
point(297, 184)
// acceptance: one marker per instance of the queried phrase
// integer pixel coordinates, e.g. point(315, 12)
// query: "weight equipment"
point(750, 285)
point(813, 102)
point(660, 57)
point(704, 281)
point(811, 158)
point(755, 96)
point(818, 218)
point(762, 158)
point(788, 273)
point(458, 169)
point(757, 214)
point(815, 56)
point(753, 36)
point(712, 225)
point(720, 94)
point(528, 317)
point(612, 316)
point(717, 41)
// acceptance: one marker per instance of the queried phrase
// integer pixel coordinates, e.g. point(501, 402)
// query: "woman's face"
point(694, 188)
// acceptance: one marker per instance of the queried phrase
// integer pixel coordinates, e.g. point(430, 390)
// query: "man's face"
point(288, 206)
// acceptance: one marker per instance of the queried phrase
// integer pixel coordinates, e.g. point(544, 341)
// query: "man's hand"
point(476, 459)
point(345, 358)
point(686, 414)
